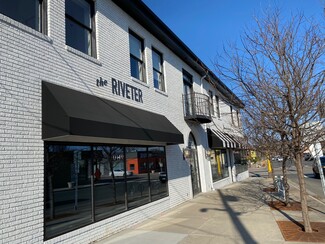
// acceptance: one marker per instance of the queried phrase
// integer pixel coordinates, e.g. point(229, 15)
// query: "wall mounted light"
point(187, 152)
point(208, 153)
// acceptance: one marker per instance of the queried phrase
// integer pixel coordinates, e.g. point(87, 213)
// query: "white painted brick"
point(27, 58)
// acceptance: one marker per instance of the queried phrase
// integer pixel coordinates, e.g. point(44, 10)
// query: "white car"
point(120, 172)
point(315, 167)
point(277, 158)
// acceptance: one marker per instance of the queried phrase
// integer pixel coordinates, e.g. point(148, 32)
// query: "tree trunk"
point(285, 182)
point(303, 193)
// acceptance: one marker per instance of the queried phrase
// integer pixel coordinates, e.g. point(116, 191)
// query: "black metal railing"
point(197, 107)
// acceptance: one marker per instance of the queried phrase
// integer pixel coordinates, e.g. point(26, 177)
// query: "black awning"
point(218, 139)
point(69, 115)
point(214, 140)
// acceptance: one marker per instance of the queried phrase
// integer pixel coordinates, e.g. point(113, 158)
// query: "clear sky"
point(205, 25)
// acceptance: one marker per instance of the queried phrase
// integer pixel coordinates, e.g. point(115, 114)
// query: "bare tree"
point(280, 72)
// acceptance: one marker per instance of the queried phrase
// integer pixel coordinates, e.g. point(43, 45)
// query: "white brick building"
point(95, 134)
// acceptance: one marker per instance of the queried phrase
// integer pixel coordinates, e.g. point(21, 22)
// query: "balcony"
point(197, 107)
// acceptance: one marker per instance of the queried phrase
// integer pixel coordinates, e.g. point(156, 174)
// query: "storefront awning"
point(218, 139)
point(69, 115)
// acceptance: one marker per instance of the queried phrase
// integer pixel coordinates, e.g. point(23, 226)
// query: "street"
point(313, 185)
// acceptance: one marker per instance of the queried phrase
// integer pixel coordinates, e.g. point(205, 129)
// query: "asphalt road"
point(313, 185)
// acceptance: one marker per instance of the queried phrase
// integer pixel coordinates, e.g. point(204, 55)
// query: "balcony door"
point(188, 91)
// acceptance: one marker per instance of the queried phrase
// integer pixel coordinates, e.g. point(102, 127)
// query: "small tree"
point(280, 70)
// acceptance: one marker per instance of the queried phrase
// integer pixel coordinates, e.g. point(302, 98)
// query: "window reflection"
point(27, 12)
point(109, 189)
point(219, 165)
point(158, 172)
point(115, 178)
point(138, 185)
point(68, 193)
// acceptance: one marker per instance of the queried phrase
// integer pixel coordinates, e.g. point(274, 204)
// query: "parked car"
point(277, 158)
point(120, 172)
point(315, 167)
point(308, 157)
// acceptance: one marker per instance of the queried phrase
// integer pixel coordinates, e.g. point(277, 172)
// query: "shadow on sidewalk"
point(234, 217)
point(246, 197)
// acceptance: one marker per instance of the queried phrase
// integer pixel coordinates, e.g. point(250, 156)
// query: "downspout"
point(205, 129)
point(203, 77)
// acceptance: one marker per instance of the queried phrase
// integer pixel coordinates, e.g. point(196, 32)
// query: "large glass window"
point(67, 192)
point(240, 161)
point(27, 12)
point(79, 25)
point(85, 183)
point(219, 165)
point(158, 77)
point(109, 184)
point(136, 56)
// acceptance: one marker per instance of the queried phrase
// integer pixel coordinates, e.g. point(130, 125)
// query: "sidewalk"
point(238, 213)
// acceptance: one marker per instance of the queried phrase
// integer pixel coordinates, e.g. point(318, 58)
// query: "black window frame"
point(217, 106)
point(139, 61)
point(42, 18)
point(91, 29)
point(152, 194)
point(160, 72)
point(211, 102)
point(232, 115)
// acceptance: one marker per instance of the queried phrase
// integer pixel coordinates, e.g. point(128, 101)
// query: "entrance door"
point(194, 165)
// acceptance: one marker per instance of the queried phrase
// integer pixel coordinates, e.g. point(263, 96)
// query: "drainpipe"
point(202, 83)
point(205, 129)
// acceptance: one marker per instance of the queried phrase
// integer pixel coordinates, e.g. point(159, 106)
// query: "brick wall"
point(29, 57)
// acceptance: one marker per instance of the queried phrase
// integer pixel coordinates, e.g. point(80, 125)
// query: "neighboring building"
point(94, 87)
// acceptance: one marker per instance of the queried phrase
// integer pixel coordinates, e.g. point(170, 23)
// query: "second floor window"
point(27, 12)
point(136, 57)
point(238, 118)
point(217, 106)
point(211, 103)
point(232, 116)
point(158, 77)
point(79, 25)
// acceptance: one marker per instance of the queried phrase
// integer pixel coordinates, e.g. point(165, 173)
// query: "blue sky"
point(205, 25)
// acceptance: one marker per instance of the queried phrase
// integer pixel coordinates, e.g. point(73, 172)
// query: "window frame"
point(217, 106)
point(232, 116)
point(91, 30)
point(211, 102)
point(139, 61)
point(42, 17)
point(161, 81)
point(238, 119)
point(93, 162)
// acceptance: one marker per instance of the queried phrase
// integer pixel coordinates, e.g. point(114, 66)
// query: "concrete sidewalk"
point(235, 214)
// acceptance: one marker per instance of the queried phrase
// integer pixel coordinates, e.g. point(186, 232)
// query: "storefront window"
point(67, 191)
point(158, 172)
point(109, 184)
point(219, 165)
point(240, 161)
point(85, 184)
point(138, 188)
